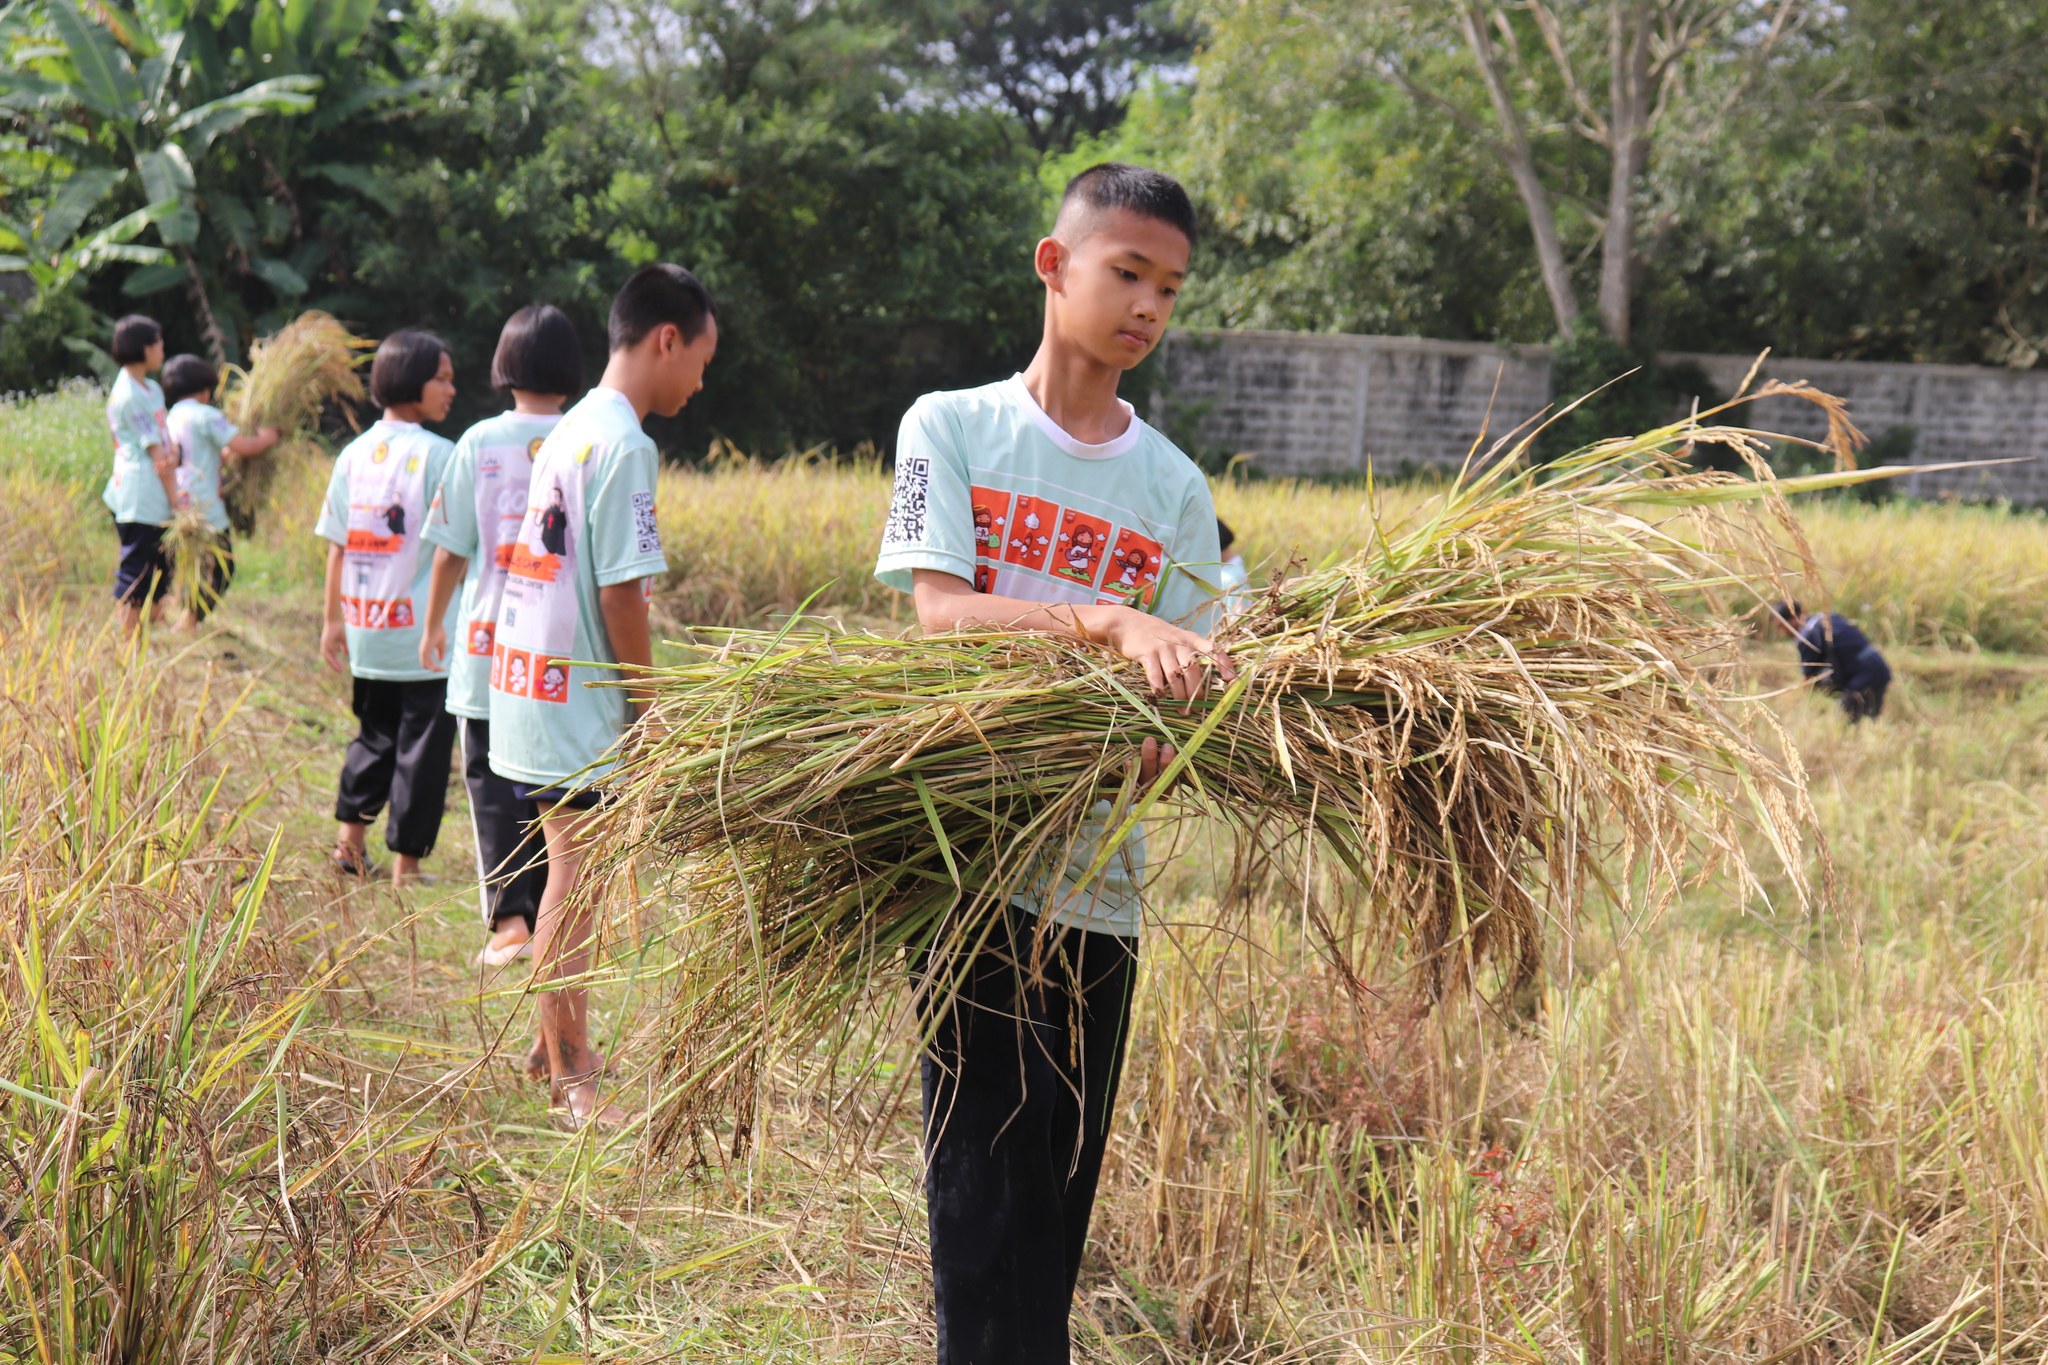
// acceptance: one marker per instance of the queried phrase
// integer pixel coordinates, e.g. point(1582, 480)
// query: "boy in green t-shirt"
point(1043, 502)
point(574, 608)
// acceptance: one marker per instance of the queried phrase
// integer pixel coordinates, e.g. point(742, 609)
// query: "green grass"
point(1724, 1135)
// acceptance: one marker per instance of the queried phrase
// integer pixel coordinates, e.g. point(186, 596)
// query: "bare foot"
point(574, 1088)
point(405, 871)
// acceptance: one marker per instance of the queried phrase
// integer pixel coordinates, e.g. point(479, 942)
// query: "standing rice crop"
point(1515, 698)
point(293, 375)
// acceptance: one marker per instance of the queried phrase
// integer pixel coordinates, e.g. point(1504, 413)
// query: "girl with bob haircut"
point(370, 620)
point(473, 526)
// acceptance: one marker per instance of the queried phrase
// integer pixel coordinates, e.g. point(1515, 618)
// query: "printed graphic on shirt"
point(1133, 573)
point(537, 619)
point(1083, 540)
point(991, 520)
point(387, 499)
point(1031, 531)
point(482, 636)
point(646, 535)
point(908, 504)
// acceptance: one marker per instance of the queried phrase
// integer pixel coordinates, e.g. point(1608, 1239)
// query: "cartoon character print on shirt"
point(1032, 523)
point(991, 520)
point(502, 477)
point(537, 619)
point(1083, 541)
point(1132, 577)
point(387, 496)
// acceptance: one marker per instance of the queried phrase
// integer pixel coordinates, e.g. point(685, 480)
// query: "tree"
point(1573, 101)
point(1065, 68)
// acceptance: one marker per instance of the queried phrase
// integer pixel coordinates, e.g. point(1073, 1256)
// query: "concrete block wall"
point(1331, 404)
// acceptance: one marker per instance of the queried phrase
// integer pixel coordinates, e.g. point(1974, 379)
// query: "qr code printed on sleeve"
point(907, 510)
point(645, 532)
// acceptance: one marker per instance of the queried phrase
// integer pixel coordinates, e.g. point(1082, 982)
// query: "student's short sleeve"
point(931, 512)
point(1190, 594)
point(451, 517)
point(222, 429)
point(333, 523)
point(625, 539)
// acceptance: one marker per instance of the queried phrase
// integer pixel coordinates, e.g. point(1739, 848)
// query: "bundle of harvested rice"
point(1514, 698)
point(293, 375)
point(197, 559)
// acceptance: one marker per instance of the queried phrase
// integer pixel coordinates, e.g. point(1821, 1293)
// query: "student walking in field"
point(473, 523)
point(576, 588)
point(1043, 502)
point(1837, 657)
point(202, 437)
point(376, 586)
point(142, 491)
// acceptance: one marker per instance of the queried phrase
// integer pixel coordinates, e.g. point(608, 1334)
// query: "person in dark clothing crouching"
point(1837, 657)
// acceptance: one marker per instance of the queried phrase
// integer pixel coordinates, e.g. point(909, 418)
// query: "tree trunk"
point(1628, 51)
point(202, 306)
point(1521, 164)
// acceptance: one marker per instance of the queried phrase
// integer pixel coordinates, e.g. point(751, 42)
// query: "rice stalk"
point(196, 561)
point(293, 375)
point(1514, 701)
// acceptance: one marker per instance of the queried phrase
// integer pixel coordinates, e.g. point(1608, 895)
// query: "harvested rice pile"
point(293, 375)
point(1516, 697)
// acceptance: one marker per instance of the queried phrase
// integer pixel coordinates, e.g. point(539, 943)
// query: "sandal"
point(350, 863)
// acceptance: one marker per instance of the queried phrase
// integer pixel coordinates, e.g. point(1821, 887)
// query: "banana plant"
point(130, 105)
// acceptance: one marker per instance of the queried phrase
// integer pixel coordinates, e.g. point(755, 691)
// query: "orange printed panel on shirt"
point(1082, 543)
point(984, 578)
point(517, 678)
point(550, 679)
point(1133, 572)
point(352, 611)
point(526, 564)
point(399, 615)
point(483, 636)
point(370, 543)
point(1030, 533)
point(497, 670)
point(991, 521)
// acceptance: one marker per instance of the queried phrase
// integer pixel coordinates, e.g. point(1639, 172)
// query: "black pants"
point(1020, 1082)
point(511, 856)
point(401, 755)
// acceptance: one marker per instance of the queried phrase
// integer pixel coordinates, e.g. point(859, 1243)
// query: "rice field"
point(248, 1113)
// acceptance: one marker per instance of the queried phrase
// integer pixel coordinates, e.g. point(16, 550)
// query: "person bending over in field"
point(1020, 1076)
point(1836, 657)
point(577, 620)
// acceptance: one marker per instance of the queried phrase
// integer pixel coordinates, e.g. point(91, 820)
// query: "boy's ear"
point(1050, 261)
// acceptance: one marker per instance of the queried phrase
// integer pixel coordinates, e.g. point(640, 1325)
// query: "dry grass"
point(1721, 1136)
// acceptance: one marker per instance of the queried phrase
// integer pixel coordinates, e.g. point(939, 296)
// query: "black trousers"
point(400, 754)
point(511, 856)
point(1020, 1082)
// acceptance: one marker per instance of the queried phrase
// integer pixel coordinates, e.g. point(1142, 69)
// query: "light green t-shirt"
point(589, 524)
point(376, 505)
point(201, 432)
point(476, 514)
point(993, 491)
point(135, 412)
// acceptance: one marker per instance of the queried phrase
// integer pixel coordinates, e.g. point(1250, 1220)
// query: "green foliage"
point(32, 339)
point(1616, 387)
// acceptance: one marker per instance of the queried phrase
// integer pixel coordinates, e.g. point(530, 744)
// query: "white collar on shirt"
point(1059, 435)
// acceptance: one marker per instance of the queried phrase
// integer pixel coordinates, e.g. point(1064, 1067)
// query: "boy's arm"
point(624, 608)
point(448, 570)
point(333, 633)
point(252, 443)
point(164, 458)
point(1176, 661)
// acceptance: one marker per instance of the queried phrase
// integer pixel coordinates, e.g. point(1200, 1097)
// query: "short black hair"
point(185, 375)
point(1149, 194)
point(406, 363)
point(1787, 611)
point(538, 351)
point(1225, 537)
point(133, 336)
point(655, 294)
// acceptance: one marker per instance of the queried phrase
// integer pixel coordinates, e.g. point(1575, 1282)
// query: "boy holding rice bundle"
point(376, 587)
point(1043, 502)
point(142, 491)
point(473, 526)
point(577, 584)
point(203, 437)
